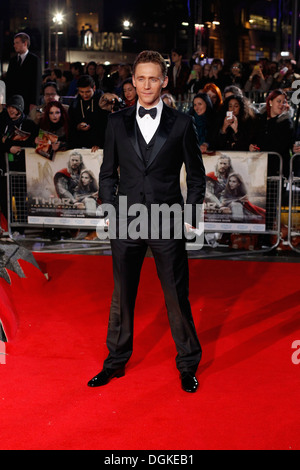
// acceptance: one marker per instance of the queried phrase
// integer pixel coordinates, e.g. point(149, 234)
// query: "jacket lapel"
point(130, 124)
point(166, 123)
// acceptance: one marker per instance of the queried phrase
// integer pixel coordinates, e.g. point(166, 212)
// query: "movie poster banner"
point(236, 190)
point(63, 192)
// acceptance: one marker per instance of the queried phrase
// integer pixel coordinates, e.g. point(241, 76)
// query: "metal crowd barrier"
point(17, 221)
point(256, 241)
point(267, 240)
point(294, 204)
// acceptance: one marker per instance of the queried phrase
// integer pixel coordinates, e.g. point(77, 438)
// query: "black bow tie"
point(143, 111)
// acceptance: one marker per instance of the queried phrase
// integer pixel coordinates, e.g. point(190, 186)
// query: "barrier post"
point(294, 204)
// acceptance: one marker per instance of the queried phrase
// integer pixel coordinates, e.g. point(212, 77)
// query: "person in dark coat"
point(16, 132)
point(87, 120)
point(178, 75)
point(235, 131)
point(24, 73)
point(275, 132)
point(203, 114)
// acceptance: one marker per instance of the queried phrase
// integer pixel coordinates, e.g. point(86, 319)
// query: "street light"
point(127, 24)
point(58, 19)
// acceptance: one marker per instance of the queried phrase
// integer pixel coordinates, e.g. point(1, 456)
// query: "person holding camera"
point(285, 77)
point(50, 93)
point(87, 119)
point(256, 83)
point(237, 125)
point(216, 74)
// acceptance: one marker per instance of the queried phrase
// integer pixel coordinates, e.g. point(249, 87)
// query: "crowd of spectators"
point(241, 107)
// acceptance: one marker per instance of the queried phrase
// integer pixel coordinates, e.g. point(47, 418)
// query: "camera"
point(118, 104)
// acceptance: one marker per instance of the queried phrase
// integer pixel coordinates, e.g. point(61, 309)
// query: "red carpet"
point(247, 317)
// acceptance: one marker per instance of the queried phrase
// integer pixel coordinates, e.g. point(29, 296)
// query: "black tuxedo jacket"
point(124, 173)
point(24, 80)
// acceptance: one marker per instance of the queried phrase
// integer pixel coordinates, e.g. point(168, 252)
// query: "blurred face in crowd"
point(54, 114)
point(176, 58)
point(129, 91)
point(199, 106)
point(206, 70)
point(149, 81)
point(278, 105)
point(20, 46)
point(50, 94)
point(234, 106)
point(13, 113)
point(235, 69)
point(213, 96)
point(100, 70)
point(86, 93)
point(91, 70)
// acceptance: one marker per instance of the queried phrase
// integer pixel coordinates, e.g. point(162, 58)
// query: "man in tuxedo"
point(24, 73)
point(143, 156)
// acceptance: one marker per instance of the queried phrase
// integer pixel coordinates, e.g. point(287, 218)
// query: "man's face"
point(50, 94)
point(13, 113)
point(176, 58)
point(20, 47)
point(74, 162)
point(86, 93)
point(149, 81)
point(223, 165)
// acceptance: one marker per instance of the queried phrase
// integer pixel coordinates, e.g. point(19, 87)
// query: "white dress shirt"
point(148, 126)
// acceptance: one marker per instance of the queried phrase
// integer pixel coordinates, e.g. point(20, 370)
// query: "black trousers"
point(172, 267)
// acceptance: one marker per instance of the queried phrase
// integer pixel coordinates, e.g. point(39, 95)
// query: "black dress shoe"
point(189, 382)
point(105, 376)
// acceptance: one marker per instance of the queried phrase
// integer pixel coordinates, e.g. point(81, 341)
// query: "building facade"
point(115, 30)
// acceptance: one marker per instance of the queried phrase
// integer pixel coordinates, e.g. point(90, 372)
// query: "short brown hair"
point(24, 38)
point(151, 56)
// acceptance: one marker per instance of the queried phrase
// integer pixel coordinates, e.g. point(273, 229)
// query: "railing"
point(294, 204)
point(228, 242)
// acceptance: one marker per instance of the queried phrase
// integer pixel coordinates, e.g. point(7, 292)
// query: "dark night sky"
point(117, 10)
point(137, 10)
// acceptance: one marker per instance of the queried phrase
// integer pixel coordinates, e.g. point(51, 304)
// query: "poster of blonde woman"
point(236, 188)
point(63, 192)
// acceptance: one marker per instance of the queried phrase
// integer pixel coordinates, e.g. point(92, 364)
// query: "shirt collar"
point(23, 55)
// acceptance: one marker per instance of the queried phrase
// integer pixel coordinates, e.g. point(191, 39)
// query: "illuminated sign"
point(111, 42)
